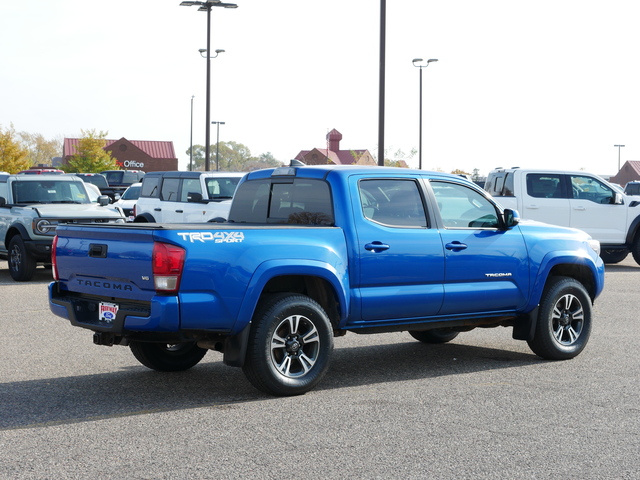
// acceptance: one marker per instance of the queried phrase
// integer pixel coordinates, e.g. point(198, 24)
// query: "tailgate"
point(106, 260)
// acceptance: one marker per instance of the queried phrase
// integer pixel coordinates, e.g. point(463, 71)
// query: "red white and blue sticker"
point(108, 312)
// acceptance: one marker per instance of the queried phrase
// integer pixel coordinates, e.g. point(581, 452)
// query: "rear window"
point(150, 185)
point(303, 201)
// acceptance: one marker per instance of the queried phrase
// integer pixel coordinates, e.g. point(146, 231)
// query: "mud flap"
point(525, 325)
point(235, 348)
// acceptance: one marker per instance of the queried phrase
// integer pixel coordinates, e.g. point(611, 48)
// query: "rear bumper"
point(161, 314)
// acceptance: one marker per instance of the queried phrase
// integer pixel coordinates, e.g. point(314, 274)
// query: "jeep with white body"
point(185, 197)
point(572, 199)
point(32, 206)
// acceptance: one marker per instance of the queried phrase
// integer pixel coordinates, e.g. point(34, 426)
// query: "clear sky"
point(551, 83)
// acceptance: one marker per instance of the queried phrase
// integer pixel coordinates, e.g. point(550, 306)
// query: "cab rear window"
point(301, 201)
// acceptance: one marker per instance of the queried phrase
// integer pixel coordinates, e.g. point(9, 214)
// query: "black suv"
point(120, 180)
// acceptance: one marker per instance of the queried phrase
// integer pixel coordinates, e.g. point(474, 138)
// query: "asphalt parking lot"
point(480, 407)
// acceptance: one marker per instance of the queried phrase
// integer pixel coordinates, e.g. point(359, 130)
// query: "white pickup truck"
point(185, 197)
point(572, 199)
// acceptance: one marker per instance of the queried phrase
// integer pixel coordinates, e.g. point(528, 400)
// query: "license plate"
point(108, 312)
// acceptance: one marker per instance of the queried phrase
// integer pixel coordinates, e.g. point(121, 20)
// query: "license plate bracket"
point(107, 312)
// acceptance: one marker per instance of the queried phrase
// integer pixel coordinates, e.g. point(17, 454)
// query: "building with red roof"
point(629, 172)
point(333, 154)
point(146, 155)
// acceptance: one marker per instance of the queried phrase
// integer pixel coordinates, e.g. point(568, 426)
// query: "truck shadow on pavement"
point(138, 391)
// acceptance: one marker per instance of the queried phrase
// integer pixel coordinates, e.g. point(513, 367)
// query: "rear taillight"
point(54, 260)
point(168, 261)
point(133, 212)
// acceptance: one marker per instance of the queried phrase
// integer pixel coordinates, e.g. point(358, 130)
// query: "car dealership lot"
point(482, 406)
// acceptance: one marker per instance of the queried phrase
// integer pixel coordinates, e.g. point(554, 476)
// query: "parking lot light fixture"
point(206, 6)
point(416, 62)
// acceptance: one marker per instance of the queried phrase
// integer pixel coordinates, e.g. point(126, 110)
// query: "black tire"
point(144, 219)
point(165, 357)
point(613, 256)
point(290, 345)
point(437, 335)
point(564, 320)
point(22, 266)
point(635, 249)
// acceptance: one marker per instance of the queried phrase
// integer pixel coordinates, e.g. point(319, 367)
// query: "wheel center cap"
point(293, 345)
point(565, 319)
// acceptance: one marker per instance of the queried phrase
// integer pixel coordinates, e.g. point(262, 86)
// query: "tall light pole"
point(218, 144)
point(381, 81)
point(618, 156)
point(191, 138)
point(206, 6)
point(417, 60)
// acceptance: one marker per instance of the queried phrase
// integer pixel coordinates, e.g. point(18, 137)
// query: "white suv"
point(185, 197)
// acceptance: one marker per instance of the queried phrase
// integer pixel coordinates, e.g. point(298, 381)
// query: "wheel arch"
point(633, 230)
point(320, 281)
point(12, 231)
point(144, 218)
point(580, 272)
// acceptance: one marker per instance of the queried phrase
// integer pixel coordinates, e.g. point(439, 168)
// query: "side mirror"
point(617, 199)
point(194, 197)
point(3, 202)
point(103, 200)
point(116, 197)
point(511, 218)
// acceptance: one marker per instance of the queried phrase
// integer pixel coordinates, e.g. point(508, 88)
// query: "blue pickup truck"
point(312, 252)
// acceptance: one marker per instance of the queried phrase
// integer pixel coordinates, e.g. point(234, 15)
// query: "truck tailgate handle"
point(376, 246)
point(97, 250)
point(455, 246)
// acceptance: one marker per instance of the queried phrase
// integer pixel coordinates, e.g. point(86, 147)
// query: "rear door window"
point(392, 202)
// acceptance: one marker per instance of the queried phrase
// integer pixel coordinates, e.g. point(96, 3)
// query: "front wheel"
point(22, 266)
point(290, 345)
point(635, 249)
point(564, 320)
point(165, 357)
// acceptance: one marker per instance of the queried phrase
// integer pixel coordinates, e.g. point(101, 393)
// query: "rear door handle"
point(179, 211)
point(157, 209)
point(376, 246)
point(456, 246)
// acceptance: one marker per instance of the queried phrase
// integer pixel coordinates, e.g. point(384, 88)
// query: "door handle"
point(579, 208)
point(179, 211)
point(455, 246)
point(376, 246)
point(157, 209)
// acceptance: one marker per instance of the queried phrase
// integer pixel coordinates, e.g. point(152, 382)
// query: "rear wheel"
point(613, 256)
point(437, 335)
point(564, 320)
point(22, 266)
point(167, 357)
point(290, 345)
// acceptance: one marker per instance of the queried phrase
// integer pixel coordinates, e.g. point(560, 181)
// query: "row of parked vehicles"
point(33, 203)
point(28, 221)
